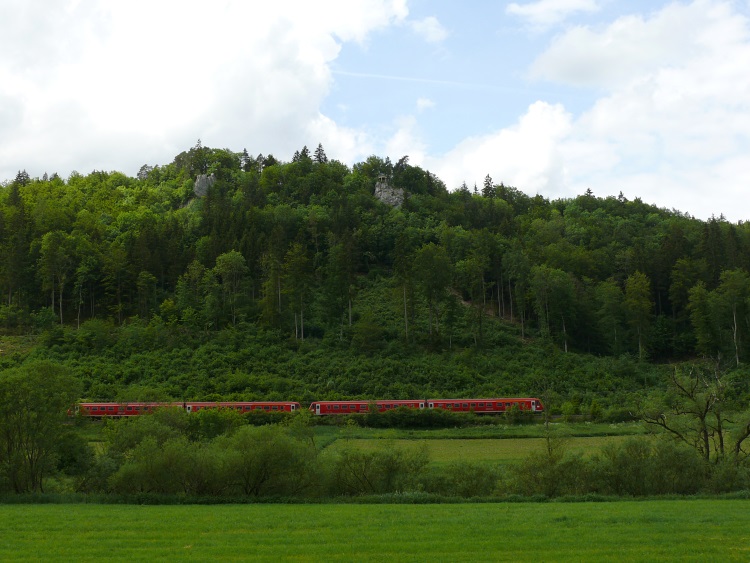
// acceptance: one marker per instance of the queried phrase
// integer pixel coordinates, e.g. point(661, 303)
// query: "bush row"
point(171, 453)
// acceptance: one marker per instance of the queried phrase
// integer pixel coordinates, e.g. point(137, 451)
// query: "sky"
point(650, 98)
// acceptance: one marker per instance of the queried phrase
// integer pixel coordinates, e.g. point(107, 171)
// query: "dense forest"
point(226, 275)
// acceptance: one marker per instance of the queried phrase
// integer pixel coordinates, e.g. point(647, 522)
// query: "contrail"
point(412, 79)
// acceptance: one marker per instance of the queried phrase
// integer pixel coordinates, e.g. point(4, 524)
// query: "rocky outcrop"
point(202, 183)
point(387, 193)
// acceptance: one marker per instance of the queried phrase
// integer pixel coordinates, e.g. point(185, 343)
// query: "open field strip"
point(696, 530)
point(503, 431)
point(485, 450)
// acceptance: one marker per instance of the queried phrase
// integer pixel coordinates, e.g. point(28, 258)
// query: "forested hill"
point(223, 274)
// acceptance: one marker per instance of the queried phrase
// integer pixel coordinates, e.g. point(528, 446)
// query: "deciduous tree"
point(34, 400)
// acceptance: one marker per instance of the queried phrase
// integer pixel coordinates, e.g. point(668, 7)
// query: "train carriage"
point(497, 405)
point(323, 408)
point(119, 410)
point(243, 406)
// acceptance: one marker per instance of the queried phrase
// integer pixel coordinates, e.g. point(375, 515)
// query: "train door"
point(317, 408)
point(431, 405)
point(421, 405)
point(189, 408)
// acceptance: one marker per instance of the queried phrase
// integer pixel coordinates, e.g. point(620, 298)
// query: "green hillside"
point(222, 275)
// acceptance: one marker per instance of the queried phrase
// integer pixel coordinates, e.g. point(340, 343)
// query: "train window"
point(258, 408)
point(482, 404)
point(274, 408)
point(457, 405)
point(465, 405)
point(388, 406)
point(110, 408)
point(473, 405)
point(336, 407)
point(266, 408)
point(129, 408)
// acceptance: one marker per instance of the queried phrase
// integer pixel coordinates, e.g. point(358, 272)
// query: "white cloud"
point(424, 104)
point(672, 123)
point(680, 124)
point(98, 84)
point(406, 140)
point(632, 46)
point(544, 14)
point(526, 155)
point(430, 29)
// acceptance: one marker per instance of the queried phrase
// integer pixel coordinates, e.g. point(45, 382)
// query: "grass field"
point(537, 430)
point(483, 450)
point(688, 530)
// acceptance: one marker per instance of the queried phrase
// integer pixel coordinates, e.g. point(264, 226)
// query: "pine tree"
point(320, 155)
point(488, 190)
point(22, 178)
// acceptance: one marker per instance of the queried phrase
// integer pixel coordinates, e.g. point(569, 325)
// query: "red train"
point(489, 406)
point(319, 408)
point(98, 410)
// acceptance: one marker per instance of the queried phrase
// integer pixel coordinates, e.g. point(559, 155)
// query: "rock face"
point(388, 194)
point(202, 183)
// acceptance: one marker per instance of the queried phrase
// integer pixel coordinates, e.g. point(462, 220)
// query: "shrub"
point(207, 424)
point(728, 475)
point(386, 470)
point(550, 474)
point(464, 479)
point(268, 461)
point(641, 467)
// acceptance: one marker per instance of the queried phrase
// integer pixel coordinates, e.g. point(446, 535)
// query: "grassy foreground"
point(698, 530)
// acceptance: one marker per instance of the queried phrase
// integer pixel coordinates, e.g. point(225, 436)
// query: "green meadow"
point(693, 530)
point(481, 450)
